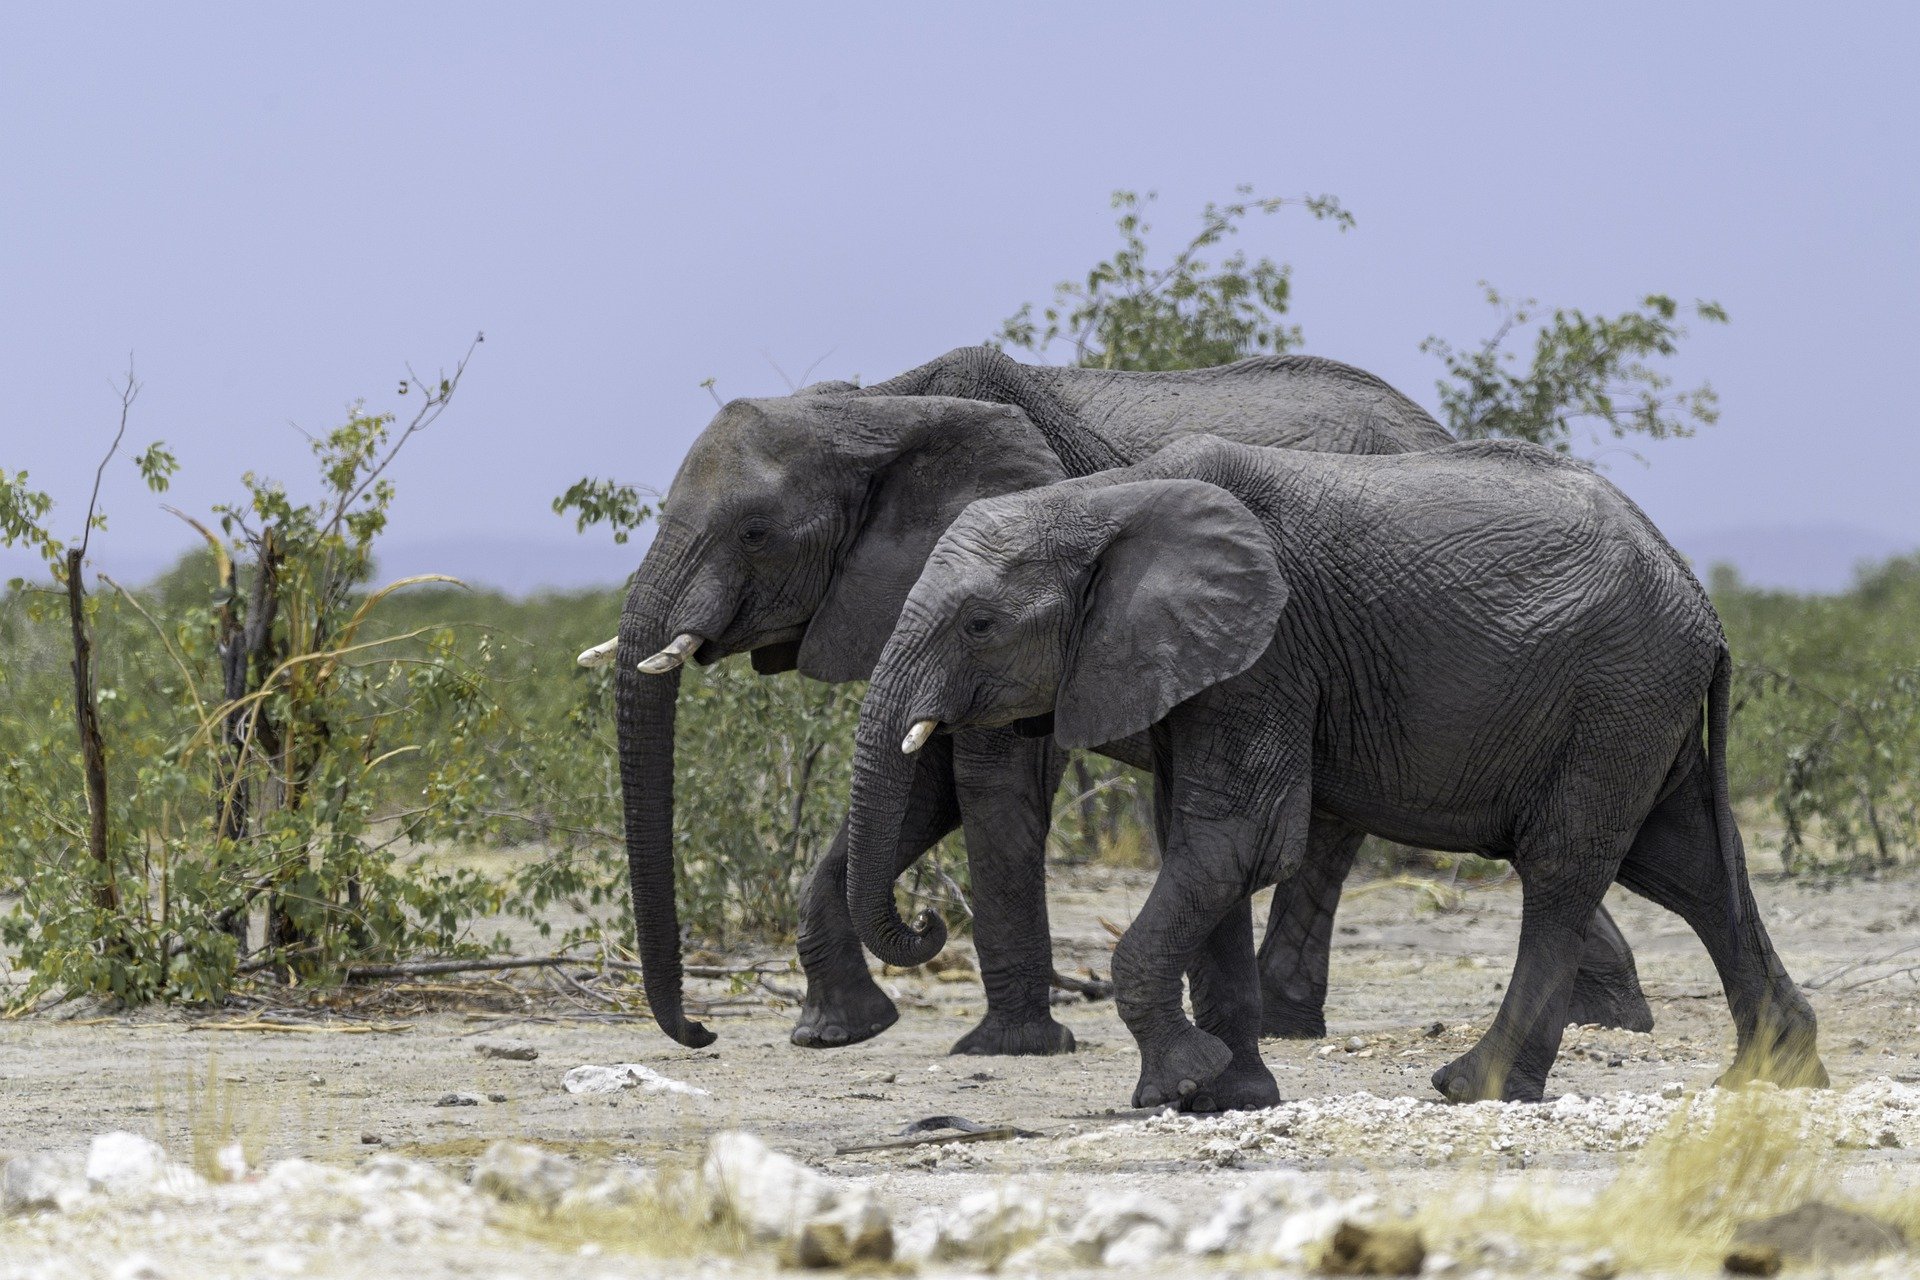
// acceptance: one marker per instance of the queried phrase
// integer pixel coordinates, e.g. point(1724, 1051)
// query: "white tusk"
point(917, 736)
point(671, 656)
point(600, 655)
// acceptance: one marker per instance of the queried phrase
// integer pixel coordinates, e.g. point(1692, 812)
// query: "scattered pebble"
point(506, 1050)
point(625, 1075)
point(459, 1100)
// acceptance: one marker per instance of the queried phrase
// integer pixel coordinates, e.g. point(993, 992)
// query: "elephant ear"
point(924, 458)
point(1186, 593)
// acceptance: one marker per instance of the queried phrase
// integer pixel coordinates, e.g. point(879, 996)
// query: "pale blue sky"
point(274, 208)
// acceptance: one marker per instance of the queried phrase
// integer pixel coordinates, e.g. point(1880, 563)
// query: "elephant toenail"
point(1187, 1087)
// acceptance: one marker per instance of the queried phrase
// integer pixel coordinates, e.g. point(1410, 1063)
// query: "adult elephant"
point(794, 530)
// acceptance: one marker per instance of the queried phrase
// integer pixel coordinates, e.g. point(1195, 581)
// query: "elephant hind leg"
point(1562, 880)
point(1606, 990)
point(1294, 955)
point(1566, 855)
point(1676, 861)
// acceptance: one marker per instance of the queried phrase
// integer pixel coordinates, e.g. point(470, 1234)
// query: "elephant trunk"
point(645, 708)
point(882, 779)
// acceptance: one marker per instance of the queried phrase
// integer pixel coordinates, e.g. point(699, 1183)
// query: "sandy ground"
point(1400, 964)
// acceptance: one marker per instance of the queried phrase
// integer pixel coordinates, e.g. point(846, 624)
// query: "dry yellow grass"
point(1724, 1159)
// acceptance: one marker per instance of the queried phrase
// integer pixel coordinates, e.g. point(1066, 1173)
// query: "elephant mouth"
point(712, 651)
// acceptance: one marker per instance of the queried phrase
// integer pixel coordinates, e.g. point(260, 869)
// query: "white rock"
point(1300, 1232)
point(857, 1228)
point(123, 1157)
point(521, 1173)
point(390, 1173)
point(1255, 1210)
point(231, 1161)
point(136, 1266)
point(1123, 1230)
point(993, 1223)
point(610, 1188)
point(282, 1260)
point(293, 1179)
point(122, 1162)
point(769, 1193)
point(818, 1221)
point(39, 1183)
point(625, 1075)
point(1598, 1265)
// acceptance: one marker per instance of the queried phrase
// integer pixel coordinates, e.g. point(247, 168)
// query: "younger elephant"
point(1483, 647)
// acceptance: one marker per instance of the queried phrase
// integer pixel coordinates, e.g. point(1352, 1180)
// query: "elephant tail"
point(1732, 858)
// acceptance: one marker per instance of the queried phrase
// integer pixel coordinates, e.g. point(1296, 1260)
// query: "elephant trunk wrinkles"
point(646, 707)
point(882, 779)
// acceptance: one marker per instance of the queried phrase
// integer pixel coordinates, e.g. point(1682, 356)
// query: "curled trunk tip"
point(904, 945)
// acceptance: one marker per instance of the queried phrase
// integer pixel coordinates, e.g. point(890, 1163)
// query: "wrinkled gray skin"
point(1482, 647)
point(794, 530)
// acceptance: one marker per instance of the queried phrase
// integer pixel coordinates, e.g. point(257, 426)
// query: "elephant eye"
point(979, 626)
point(755, 533)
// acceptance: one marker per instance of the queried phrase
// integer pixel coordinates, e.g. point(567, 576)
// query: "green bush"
point(1827, 715)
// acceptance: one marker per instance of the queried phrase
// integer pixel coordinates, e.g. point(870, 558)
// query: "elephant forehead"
point(749, 445)
point(1019, 528)
point(960, 573)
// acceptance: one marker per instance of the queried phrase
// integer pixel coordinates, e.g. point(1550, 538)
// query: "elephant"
point(1484, 647)
point(793, 531)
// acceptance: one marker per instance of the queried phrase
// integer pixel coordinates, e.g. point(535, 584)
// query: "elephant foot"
point(1788, 1058)
point(842, 1015)
point(1031, 1037)
point(1609, 1000)
point(1241, 1087)
point(1473, 1078)
point(1180, 1066)
point(1286, 1020)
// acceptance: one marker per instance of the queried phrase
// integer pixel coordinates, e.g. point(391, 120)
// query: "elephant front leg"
point(1225, 983)
point(1294, 956)
point(1005, 786)
point(1178, 1061)
point(843, 1004)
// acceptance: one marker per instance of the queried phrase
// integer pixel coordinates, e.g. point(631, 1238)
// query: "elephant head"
point(794, 530)
point(1093, 608)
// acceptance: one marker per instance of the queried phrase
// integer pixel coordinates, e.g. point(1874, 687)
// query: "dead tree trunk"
point(93, 749)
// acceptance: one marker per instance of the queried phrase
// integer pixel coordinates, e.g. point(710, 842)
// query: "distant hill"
point(1810, 558)
point(1814, 558)
point(518, 566)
